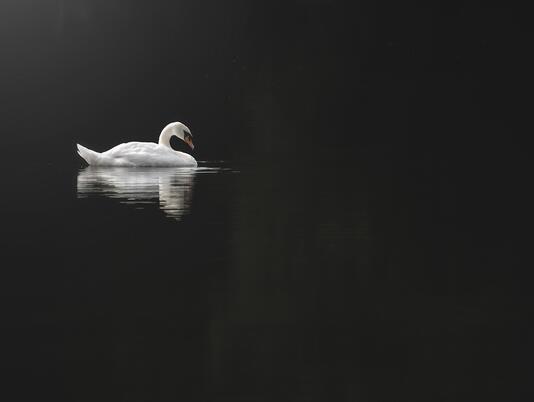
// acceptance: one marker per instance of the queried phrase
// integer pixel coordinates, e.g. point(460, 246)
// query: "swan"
point(132, 154)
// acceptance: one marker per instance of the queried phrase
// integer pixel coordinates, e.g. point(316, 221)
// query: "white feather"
point(134, 154)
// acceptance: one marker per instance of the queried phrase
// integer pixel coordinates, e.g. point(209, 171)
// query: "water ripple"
point(169, 188)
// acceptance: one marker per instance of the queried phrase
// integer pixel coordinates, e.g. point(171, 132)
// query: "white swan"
point(132, 154)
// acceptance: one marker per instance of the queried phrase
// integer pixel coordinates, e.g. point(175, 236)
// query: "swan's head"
point(179, 130)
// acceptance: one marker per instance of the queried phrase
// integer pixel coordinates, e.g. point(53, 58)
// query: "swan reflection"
point(171, 188)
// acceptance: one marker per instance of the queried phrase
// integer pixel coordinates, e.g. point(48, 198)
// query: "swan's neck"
point(165, 138)
point(169, 131)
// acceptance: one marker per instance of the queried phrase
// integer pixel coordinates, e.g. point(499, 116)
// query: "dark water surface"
point(364, 239)
point(375, 276)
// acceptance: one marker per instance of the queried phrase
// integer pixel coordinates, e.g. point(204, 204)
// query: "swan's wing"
point(143, 154)
point(132, 148)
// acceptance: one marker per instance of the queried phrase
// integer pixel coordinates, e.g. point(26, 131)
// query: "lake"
point(369, 277)
point(357, 229)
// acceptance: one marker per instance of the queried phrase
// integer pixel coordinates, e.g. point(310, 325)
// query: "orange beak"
point(189, 142)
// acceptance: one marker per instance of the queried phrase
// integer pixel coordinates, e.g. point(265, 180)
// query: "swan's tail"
point(91, 157)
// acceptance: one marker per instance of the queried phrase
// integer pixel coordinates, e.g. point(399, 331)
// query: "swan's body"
point(132, 154)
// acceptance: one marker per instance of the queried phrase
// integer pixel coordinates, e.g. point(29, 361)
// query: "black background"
point(282, 77)
point(387, 136)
